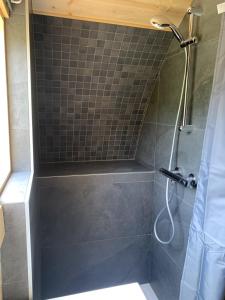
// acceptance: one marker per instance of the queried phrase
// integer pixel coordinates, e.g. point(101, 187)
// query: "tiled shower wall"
point(93, 84)
point(101, 239)
point(156, 140)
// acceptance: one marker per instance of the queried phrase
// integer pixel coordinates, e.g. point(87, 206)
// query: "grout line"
point(100, 240)
point(97, 174)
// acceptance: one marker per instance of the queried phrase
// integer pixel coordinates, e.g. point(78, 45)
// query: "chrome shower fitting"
point(16, 1)
point(188, 42)
point(163, 22)
point(196, 11)
point(177, 176)
point(192, 11)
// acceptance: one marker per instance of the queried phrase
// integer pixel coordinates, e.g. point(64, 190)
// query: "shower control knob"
point(192, 182)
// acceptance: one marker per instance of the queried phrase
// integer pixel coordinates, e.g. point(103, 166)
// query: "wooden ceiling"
point(135, 13)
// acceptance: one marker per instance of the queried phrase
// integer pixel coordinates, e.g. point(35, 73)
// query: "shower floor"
point(130, 291)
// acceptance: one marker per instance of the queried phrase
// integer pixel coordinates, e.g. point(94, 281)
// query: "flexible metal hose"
point(168, 199)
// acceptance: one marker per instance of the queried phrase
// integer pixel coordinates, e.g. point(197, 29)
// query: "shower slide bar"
point(175, 176)
point(221, 8)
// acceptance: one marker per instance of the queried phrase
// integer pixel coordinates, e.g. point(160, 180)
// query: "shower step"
point(92, 168)
point(123, 292)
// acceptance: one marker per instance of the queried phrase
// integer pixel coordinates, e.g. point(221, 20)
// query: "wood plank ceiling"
point(135, 13)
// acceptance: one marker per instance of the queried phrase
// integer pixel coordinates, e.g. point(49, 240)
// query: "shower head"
point(160, 23)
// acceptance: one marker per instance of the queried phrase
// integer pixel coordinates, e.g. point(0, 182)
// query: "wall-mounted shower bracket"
point(221, 8)
point(187, 128)
point(188, 42)
point(192, 182)
point(176, 176)
point(192, 11)
point(195, 10)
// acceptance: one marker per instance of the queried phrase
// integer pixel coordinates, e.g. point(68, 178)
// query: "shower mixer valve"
point(176, 176)
point(192, 182)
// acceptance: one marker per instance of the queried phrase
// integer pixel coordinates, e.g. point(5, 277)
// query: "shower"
point(160, 23)
point(174, 173)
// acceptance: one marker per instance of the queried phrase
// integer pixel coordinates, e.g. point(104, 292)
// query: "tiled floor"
point(124, 292)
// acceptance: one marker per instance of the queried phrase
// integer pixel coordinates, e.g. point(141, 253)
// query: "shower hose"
point(169, 198)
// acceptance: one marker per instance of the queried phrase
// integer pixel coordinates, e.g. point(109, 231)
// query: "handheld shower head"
point(160, 23)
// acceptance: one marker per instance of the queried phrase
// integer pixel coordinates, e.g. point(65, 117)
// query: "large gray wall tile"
point(14, 253)
point(209, 23)
point(166, 287)
point(17, 75)
point(96, 231)
point(85, 208)
point(170, 84)
point(190, 151)
point(147, 142)
point(164, 136)
point(133, 177)
point(15, 290)
point(20, 149)
point(182, 215)
point(94, 265)
point(34, 210)
point(15, 239)
point(162, 112)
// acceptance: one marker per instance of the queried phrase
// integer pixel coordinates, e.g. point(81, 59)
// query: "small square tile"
point(88, 73)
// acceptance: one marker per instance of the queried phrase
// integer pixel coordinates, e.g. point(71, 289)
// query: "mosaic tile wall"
point(93, 82)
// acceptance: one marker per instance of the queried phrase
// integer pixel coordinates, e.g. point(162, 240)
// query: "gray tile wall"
point(14, 253)
point(18, 95)
point(154, 147)
point(34, 212)
point(95, 231)
point(93, 83)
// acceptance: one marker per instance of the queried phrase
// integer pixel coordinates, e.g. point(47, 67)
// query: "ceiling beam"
point(4, 12)
point(136, 13)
